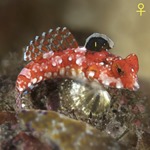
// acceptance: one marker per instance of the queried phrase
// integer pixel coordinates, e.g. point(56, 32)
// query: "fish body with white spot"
point(118, 73)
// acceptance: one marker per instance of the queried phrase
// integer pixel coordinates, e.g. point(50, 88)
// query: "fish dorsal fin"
point(98, 42)
point(54, 40)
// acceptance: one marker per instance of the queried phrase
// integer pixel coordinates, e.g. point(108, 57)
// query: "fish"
point(56, 54)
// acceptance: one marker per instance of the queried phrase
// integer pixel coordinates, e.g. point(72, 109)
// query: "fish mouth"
point(136, 86)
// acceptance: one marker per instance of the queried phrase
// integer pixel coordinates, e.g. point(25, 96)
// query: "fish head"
point(126, 71)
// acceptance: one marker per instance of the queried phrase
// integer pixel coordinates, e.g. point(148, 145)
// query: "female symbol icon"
point(141, 7)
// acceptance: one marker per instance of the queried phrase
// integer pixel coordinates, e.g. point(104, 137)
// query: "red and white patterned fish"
point(56, 54)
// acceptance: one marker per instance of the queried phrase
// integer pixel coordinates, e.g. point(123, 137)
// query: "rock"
point(66, 133)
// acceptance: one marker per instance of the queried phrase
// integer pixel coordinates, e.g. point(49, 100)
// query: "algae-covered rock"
point(67, 133)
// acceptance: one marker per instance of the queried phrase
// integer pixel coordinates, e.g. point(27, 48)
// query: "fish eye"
point(120, 71)
point(98, 42)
